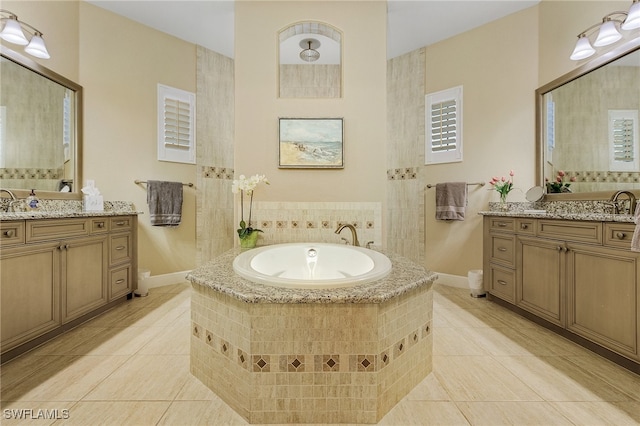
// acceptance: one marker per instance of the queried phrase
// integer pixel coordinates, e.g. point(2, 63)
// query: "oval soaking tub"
point(311, 265)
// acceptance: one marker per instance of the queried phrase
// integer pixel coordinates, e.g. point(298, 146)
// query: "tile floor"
point(130, 366)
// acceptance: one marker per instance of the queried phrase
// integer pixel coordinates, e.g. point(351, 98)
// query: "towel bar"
point(137, 182)
point(429, 185)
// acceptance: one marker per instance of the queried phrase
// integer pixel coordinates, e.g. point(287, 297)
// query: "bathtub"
point(311, 265)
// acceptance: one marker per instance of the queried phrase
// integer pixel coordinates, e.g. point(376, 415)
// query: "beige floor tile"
point(429, 389)
point(600, 413)
point(613, 374)
point(67, 342)
point(480, 378)
point(21, 367)
point(433, 413)
point(68, 378)
point(144, 377)
point(117, 341)
point(552, 343)
point(169, 341)
point(511, 413)
point(116, 413)
point(195, 390)
point(213, 412)
point(452, 341)
point(557, 379)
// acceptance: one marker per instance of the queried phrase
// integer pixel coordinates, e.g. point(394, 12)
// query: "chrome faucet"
point(13, 199)
point(616, 204)
point(354, 234)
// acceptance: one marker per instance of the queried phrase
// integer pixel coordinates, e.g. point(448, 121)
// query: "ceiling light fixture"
point(14, 30)
point(309, 52)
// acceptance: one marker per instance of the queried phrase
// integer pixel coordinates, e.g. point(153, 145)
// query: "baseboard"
point(166, 279)
point(452, 280)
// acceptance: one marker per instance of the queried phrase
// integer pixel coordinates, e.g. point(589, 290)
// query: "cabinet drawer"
point(502, 283)
point(503, 249)
point(618, 235)
point(526, 226)
point(99, 226)
point(506, 224)
point(121, 223)
point(588, 232)
point(11, 233)
point(120, 282)
point(121, 248)
point(43, 230)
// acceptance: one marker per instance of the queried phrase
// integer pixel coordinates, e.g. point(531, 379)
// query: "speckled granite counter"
point(219, 275)
point(591, 210)
point(60, 209)
point(594, 217)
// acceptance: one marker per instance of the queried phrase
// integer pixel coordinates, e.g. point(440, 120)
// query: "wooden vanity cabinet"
point(580, 276)
point(58, 272)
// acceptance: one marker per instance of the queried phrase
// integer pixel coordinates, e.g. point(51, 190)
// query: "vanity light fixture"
point(309, 52)
point(608, 31)
point(14, 30)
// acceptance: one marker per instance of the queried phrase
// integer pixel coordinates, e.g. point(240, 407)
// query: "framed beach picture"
point(307, 143)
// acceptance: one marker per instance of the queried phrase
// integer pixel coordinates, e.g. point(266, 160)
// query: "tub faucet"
point(616, 203)
point(354, 234)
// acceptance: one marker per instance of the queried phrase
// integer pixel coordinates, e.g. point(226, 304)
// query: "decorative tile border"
point(604, 176)
point(402, 173)
point(31, 173)
point(300, 363)
point(212, 172)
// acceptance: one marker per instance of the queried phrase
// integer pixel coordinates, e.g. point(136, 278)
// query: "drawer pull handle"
point(121, 247)
point(9, 233)
point(621, 235)
point(501, 224)
point(524, 226)
point(502, 282)
point(121, 223)
point(101, 225)
point(502, 249)
point(120, 281)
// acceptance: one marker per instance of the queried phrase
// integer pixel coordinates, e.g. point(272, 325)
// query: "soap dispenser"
point(32, 201)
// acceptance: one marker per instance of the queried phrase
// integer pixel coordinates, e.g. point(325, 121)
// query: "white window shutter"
point(176, 125)
point(623, 140)
point(443, 120)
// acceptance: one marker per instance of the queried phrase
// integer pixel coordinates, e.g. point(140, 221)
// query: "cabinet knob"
point(621, 235)
point(9, 233)
point(524, 226)
point(101, 225)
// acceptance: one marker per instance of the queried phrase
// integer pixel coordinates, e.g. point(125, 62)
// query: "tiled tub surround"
point(287, 222)
point(311, 356)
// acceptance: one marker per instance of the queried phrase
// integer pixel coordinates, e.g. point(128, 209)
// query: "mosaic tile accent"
point(405, 173)
point(212, 172)
point(603, 176)
point(31, 173)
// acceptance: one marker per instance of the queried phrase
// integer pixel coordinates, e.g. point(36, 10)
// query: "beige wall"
point(363, 105)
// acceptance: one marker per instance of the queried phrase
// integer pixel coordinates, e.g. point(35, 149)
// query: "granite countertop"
point(593, 217)
point(219, 275)
point(58, 209)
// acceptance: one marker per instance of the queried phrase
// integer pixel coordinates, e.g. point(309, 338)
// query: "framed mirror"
point(310, 61)
point(587, 128)
point(40, 129)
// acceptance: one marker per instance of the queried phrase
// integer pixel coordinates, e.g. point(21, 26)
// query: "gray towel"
point(165, 202)
point(451, 200)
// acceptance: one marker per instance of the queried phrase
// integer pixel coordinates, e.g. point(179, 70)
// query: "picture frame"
point(311, 143)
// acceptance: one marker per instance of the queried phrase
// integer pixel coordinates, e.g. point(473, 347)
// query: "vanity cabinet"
point(580, 276)
point(59, 272)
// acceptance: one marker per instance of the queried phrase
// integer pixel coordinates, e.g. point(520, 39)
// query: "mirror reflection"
point(310, 61)
point(38, 127)
point(589, 131)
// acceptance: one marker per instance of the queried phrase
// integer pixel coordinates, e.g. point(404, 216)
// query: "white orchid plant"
point(247, 186)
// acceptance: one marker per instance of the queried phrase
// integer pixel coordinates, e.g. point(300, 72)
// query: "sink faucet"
point(354, 234)
point(13, 199)
point(616, 204)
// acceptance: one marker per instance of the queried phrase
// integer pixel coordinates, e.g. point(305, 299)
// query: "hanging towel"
point(165, 202)
point(635, 240)
point(451, 200)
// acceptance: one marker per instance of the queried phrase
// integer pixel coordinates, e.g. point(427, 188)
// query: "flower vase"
point(503, 206)
point(249, 241)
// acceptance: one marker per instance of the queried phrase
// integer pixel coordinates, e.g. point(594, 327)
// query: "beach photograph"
point(311, 142)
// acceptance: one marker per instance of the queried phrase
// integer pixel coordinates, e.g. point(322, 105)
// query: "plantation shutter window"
point(176, 125)
point(623, 140)
point(443, 120)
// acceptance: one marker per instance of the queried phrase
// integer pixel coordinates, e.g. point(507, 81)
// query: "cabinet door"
point(29, 284)
point(603, 297)
point(84, 276)
point(541, 280)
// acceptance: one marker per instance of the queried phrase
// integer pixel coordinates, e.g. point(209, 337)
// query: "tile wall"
point(311, 363)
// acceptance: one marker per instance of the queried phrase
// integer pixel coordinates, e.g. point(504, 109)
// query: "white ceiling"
point(410, 24)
